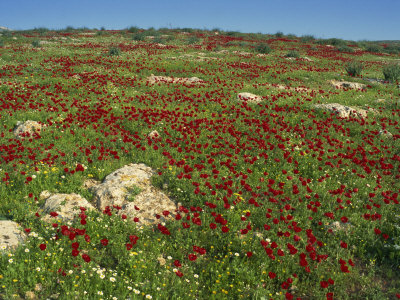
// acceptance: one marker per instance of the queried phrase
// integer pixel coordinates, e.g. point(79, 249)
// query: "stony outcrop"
point(11, 236)
point(249, 97)
point(26, 127)
point(130, 188)
point(347, 85)
point(62, 206)
point(165, 79)
point(343, 111)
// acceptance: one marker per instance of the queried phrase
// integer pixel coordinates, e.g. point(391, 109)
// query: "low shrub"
point(345, 49)
point(133, 29)
point(263, 48)
point(354, 68)
point(36, 44)
point(374, 48)
point(139, 36)
point(307, 38)
point(192, 40)
point(391, 72)
point(293, 53)
point(114, 51)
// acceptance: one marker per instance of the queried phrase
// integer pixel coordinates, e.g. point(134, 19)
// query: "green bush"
point(263, 48)
point(192, 40)
point(392, 49)
point(139, 36)
point(391, 72)
point(374, 48)
point(354, 68)
point(293, 53)
point(36, 44)
point(345, 49)
point(114, 51)
point(307, 38)
point(133, 29)
point(279, 34)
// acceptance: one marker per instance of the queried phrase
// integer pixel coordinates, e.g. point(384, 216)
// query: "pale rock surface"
point(249, 97)
point(347, 85)
point(65, 205)
point(115, 190)
point(165, 79)
point(11, 235)
point(27, 126)
point(343, 111)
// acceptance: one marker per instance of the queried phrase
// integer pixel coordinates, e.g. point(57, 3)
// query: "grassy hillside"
point(278, 199)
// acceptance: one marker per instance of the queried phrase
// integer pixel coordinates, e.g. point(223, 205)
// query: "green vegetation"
point(263, 48)
point(354, 68)
point(293, 53)
point(391, 72)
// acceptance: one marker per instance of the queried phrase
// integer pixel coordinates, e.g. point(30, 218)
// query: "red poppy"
point(177, 263)
point(179, 273)
point(86, 258)
point(343, 245)
point(225, 229)
point(271, 275)
point(249, 254)
point(324, 284)
point(104, 242)
point(192, 257)
point(42, 247)
point(75, 252)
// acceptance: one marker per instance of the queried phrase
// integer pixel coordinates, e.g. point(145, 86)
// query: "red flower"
point(42, 247)
point(225, 229)
point(192, 257)
point(343, 245)
point(136, 219)
point(344, 219)
point(104, 242)
point(324, 284)
point(53, 214)
point(177, 263)
point(128, 246)
point(377, 231)
point(29, 178)
point(213, 225)
point(249, 254)
point(75, 245)
point(271, 275)
point(179, 273)
point(75, 252)
point(27, 230)
point(86, 258)
point(329, 296)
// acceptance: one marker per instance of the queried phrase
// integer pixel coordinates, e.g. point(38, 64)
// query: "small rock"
point(153, 135)
point(89, 183)
point(385, 134)
point(10, 235)
point(343, 111)
point(347, 85)
point(337, 226)
point(27, 126)
point(30, 295)
point(65, 205)
point(165, 79)
point(249, 97)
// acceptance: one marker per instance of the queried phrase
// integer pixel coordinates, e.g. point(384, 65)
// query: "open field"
point(292, 193)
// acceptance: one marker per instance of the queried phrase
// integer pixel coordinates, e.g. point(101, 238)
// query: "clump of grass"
point(293, 53)
point(36, 44)
point(354, 68)
point(114, 51)
point(263, 48)
point(391, 72)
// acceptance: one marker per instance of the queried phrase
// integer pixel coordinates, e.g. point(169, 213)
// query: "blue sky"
point(350, 19)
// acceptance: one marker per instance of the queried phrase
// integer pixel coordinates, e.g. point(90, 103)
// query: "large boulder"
point(130, 189)
point(66, 206)
point(249, 97)
point(343, 111)
point(11, 236)
point(26, 127)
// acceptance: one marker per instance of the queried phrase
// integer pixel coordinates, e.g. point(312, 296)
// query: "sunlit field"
point(276, 196)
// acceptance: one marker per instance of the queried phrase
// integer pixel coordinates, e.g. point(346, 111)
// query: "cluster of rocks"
point(343, 111)
point(128, 188)
point(165, 79)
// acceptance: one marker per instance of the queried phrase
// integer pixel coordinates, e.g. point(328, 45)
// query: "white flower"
point(10, 260)
point(102, 276)
point(175, 270)
point(169, 257)
point(136, 291)
point(26, 250)
point(70, 272)
point(100, 293)
point(112, 279)
point(38, 269)
point(149, 297)
point(129, 288)
point(196, 276)
point(237, 254)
